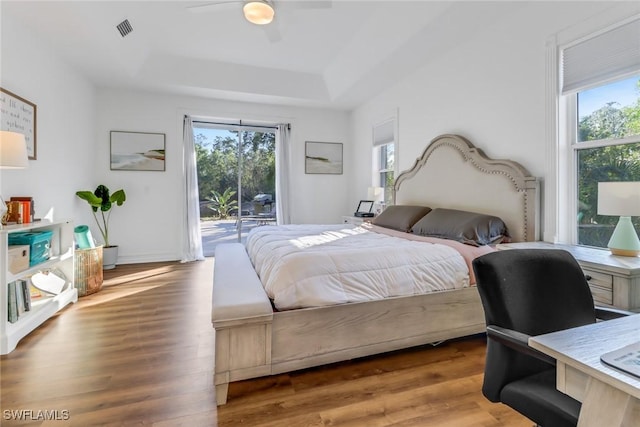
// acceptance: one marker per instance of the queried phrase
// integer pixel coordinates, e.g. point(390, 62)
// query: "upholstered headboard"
point(452, 173)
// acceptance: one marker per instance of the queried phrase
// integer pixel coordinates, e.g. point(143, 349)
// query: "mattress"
point(318, 265)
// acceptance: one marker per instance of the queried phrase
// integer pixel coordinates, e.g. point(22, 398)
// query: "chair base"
point(537, 398)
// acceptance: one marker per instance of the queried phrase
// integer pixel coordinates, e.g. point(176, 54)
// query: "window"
point(385, 174)
point(384, 160)
point(607, 148)
point(601, 95)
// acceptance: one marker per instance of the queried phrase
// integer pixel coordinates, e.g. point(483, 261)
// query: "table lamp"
point(621, 199)
point(13, 155)
point(377, 195)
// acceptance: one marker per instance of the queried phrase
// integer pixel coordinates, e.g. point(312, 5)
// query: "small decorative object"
point(323, 157)
point(3, 212)
point(83, 237)
point(13, 213)
point(20, 117)
point(102, 200)
point(364, 209)
point(137, 151)
point(621, 199)
point(49, 281)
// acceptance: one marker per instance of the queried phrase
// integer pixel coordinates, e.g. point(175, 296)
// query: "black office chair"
point(528, 292)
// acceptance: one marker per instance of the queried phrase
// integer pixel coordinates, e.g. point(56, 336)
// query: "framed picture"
point(137, 151)
point(323, 157)
point(19, 115)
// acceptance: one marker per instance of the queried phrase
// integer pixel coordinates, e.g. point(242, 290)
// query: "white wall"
point(148, 227)
point(65, 125)
point(489, 89)
point(73, 123)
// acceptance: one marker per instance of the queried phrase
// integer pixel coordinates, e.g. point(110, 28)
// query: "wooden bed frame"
point(252, 340)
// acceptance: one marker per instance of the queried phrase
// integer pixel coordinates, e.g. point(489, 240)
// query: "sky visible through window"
point(211, 134)
point(624, 92)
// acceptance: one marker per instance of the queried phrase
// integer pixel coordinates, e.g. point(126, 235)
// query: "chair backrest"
point(533, 291)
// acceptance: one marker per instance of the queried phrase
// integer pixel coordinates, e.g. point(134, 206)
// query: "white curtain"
point(192, 247)
point(283, 168)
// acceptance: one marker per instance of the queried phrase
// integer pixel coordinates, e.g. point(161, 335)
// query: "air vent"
point(124, 27)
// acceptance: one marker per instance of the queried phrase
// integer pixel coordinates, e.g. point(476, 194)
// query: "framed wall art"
point(137, 151)
point(323, 157)
point(19, 115)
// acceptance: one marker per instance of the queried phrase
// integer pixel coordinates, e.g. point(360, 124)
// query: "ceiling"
point(337, 56)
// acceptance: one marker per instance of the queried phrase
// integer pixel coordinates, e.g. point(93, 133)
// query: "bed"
point(255, 339)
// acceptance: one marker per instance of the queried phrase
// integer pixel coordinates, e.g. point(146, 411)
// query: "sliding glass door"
point(236, 180)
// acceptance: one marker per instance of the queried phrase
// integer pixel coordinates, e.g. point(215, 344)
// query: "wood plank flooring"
point(140, 353)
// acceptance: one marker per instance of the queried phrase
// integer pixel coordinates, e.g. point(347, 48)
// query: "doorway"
point(236, 180)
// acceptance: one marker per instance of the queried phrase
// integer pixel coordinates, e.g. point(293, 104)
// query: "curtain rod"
point(240, 124)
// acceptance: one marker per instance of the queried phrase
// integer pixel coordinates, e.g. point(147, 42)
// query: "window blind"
point(383, 133)
point(608, 56)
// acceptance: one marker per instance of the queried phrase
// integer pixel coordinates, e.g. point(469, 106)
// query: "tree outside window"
point(607, 149)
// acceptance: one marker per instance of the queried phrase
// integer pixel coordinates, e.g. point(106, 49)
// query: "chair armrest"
point(518, 341)
point(608, 313)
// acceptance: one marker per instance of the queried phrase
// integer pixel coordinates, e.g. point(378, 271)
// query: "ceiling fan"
point(260, 12)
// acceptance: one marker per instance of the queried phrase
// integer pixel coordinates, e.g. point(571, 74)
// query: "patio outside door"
point(236, 181)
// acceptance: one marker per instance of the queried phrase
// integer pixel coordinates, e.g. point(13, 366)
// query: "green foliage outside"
point(217, 162)
point(612, 163)
point(223, 203)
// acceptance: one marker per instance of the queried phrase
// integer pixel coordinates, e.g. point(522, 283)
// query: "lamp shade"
point(375, 193)
point(258, 12)
point(619, 198)
point(13, 150)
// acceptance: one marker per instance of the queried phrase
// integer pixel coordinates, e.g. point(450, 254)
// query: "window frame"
point(379, 170)
point(384, 133)
point(577, 146)
point(561, 200)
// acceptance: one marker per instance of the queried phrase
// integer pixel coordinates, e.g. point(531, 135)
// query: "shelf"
point(61, 257)
point(41, 310)
point(48, 264)
point(26, 227)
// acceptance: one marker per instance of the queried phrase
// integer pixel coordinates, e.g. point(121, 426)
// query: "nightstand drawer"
point(601, 286)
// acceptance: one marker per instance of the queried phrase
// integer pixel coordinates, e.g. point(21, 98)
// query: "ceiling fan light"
point(258, 12)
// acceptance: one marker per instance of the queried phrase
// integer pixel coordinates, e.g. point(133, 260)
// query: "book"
point(26, 295)
point(34, 292)
point(32, 210)
point(19, 298)
point(12, 311)
point(626, 359)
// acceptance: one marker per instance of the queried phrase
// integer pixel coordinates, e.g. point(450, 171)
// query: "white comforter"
point(319, 265)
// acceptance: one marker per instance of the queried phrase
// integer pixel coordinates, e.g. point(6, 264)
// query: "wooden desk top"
point(587, 255)
point(582, 347)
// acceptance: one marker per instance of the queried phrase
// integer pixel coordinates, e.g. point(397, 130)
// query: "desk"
point(609, 397)
point(613, 280)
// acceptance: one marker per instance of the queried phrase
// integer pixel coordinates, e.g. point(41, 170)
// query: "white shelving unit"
point(62, 251)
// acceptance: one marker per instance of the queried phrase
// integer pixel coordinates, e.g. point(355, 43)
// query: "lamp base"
point(624, 252)
point(624, 240)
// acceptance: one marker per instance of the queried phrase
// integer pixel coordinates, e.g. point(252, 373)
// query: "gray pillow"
point(466, 227)
point(400, 217)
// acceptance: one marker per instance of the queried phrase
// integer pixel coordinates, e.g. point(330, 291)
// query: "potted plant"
point(101, 200)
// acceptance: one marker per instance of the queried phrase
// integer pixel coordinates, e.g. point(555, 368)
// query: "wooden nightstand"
point(355, 220)
point(614, 280)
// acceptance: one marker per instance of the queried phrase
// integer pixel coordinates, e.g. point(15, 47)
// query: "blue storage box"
point(39, 244)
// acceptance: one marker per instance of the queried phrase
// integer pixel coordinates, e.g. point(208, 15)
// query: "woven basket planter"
point(88, 270)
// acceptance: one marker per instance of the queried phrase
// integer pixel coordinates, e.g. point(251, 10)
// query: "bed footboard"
point(242, 316)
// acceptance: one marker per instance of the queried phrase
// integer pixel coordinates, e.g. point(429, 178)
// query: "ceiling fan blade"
point(210, 7)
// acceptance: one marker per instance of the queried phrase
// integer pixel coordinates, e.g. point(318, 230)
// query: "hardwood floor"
point(140, 353)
